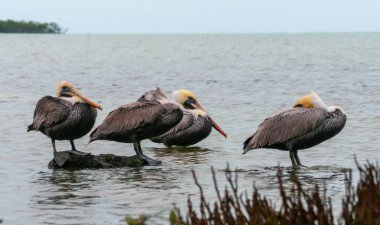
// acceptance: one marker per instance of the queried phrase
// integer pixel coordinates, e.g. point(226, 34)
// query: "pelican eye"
point(189, 103)
point(191, 99)
point(298, 105)
point(142, 98)
point(65, 88)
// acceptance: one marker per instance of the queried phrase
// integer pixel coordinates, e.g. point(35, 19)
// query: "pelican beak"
point(214, 124)
point(91, 103)
point(218, 128)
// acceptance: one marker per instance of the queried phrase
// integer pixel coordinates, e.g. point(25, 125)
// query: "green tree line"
point(11, 26)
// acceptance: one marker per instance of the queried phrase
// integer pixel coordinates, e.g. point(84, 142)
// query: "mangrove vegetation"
point(11, 26)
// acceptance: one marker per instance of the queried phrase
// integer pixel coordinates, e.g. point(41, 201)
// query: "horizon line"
point(205, 33)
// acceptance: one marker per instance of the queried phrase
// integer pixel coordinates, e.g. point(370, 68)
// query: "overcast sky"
point(199, 16)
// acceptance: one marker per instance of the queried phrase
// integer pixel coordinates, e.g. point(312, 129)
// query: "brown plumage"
point(190, 130)
point(278, 129)
point(67, 117)
point(298, 128)
point(49, 111)
point(137, 121)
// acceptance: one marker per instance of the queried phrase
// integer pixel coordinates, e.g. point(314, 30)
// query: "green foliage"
point(136, 221)
point(173, 218)
point(11, 26)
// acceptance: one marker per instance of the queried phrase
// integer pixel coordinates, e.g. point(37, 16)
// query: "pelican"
point(307, 124)
point(195, 125)
point(68, 116)
point(136, 121)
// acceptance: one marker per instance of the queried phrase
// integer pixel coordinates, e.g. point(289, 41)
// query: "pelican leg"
point(59, 157)
point(75, 151)
point(292, 157)
point(299, 164)
point(73, 145)
point(54, 149)
point(141, 156)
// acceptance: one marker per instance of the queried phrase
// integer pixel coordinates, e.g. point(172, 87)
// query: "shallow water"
point(239, 79)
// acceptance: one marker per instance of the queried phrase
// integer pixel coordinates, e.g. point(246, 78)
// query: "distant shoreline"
point(257, 33)
point(29, 27)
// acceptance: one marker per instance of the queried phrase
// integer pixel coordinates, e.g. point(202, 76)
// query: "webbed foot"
point(296, 167)
point(76, 152)
point(61, 157)
point(150, 161)
point(291, 168)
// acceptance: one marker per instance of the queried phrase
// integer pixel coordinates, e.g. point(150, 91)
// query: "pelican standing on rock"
point(139, 120)
point(195, 125)
point(307, 124)
point(68, 116)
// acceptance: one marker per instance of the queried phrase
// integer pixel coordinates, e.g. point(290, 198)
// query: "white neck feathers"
point(72, 100)
point(319, 103)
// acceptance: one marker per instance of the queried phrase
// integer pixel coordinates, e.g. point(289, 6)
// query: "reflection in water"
point(64, 186)
point(183, 155)
point(266, 178)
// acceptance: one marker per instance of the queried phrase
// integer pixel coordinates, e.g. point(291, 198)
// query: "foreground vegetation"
point(11, 26)
point(299, 206)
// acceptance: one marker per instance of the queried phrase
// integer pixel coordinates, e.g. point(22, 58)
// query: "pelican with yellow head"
point(68, 116)
point(196, 123)
point(309, 122)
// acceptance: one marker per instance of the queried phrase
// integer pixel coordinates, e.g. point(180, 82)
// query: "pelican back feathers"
point(296, 128)
point(49, 111)
point(137, 121)
point(62, 120)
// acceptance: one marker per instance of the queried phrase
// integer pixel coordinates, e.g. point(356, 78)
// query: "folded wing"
point(128, 119)
point(285, 126)
point(50, 111)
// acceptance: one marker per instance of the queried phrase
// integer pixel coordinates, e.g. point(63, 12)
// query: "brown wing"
point(50, 111)
point(186, 122)
point(128, 118)
point(285, 126)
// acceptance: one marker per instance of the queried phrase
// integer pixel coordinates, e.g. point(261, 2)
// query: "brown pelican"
point(139, 120)
point(195, 125)
point(66, 117)
point(307, 124)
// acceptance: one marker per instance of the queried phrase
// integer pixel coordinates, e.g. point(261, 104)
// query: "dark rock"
point(97, 161)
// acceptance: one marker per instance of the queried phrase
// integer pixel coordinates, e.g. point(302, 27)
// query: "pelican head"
point(188, 100)
point(67, 89)
point(311, 101)
point(154, 95)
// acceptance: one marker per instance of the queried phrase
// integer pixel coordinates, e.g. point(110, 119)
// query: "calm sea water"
point(239, 79)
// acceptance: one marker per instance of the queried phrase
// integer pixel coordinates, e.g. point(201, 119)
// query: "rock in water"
point(97, 161)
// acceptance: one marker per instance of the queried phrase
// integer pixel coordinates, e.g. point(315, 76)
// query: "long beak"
point(91, 103)
point(214, 124)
